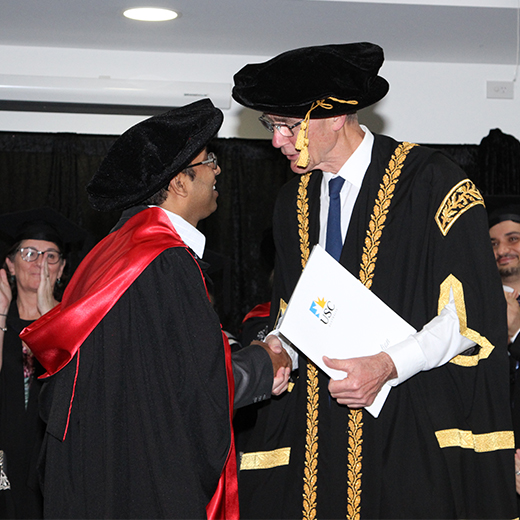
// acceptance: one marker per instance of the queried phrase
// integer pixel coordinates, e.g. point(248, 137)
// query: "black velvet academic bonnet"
point(148, 155)
point(290, 83)
point(510, 212)
point(40, 224)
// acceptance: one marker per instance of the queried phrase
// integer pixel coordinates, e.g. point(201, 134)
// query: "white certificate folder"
point(331, 313)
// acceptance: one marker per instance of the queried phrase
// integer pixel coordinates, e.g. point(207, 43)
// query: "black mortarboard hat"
point(290, 83)
point(41, 224)
point(148, 155)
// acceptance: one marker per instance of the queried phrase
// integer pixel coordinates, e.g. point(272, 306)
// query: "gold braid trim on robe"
point(478, 442)
point(454, 437)
point(486, 347)
point(310, 471)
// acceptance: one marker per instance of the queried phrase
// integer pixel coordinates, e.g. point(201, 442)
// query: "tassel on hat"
point(302, 141)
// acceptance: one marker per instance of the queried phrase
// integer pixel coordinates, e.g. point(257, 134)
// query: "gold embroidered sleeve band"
point(460, 198)
point(265, 459)
point(481, 442)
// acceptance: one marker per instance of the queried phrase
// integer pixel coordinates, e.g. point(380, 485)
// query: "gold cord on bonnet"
point(302, 141)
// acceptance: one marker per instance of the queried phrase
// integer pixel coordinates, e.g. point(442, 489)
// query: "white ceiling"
point(458, 31)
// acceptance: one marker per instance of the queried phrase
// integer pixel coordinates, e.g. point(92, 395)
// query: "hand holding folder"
point(364, 378)
point(331, 313)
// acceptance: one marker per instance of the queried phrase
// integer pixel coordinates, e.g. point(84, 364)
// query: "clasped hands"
point(282, 364)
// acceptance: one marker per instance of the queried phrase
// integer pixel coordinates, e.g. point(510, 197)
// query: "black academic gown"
point(442, 445)
point(149, 427)
point(21, 429)
point(514, 360)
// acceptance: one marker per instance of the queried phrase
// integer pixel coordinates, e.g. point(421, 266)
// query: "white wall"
point(446, 102)
point(427, 102)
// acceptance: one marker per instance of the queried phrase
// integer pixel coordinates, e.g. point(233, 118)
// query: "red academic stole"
point(100, 280)
point(261, 310)
point(224, 504)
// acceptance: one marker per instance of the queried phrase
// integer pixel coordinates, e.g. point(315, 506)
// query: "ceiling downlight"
point(150, 14)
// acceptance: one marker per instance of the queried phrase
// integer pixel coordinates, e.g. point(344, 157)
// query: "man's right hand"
point(282, 364)
point(364, 378)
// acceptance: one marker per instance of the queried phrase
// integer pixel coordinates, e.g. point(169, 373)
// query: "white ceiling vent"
point(104, 94)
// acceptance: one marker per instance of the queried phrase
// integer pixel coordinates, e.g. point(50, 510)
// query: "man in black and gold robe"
point(414, 232)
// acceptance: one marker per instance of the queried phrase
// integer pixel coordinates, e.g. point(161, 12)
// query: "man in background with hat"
point(408, 223)
point(504, 231)
point(140, 399)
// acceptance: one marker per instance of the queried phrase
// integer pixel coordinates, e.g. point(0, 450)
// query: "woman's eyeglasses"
point(29, 254)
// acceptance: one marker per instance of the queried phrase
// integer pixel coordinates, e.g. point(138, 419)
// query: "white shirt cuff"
point(433, 346)
point(293, 354)
point(408, 359)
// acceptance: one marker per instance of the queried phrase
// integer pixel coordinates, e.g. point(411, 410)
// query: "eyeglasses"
point(29, 254)
point(283, 128)
point(212, 158)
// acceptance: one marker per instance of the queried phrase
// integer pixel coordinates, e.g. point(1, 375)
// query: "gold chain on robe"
point(366, 274)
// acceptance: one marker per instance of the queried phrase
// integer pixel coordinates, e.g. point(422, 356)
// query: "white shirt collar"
point(190, 235)
point(357, 164)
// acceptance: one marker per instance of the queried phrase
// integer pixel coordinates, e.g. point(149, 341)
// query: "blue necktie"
point(334, 243)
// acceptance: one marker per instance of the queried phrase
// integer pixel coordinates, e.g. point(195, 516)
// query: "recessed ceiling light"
point(150, 14)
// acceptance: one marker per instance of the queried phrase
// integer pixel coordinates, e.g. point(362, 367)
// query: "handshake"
point(282, 364)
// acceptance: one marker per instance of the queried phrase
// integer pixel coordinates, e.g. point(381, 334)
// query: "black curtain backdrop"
point(38, 169)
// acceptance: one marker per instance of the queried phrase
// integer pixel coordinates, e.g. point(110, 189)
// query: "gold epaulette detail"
point(381, 207)
point(463, 196)
point(451, 283)
point(479, 442)
point(265, 459)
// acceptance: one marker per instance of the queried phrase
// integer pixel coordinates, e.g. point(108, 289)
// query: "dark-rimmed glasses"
point(29, 254)
point(212, 158)
point(282, 128)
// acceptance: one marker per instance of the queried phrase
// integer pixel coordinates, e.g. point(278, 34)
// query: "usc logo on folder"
point(324, 310)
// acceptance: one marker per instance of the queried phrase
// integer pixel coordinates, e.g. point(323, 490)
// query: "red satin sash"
point(103, 276)
point(261, 310)
point(224, 504)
